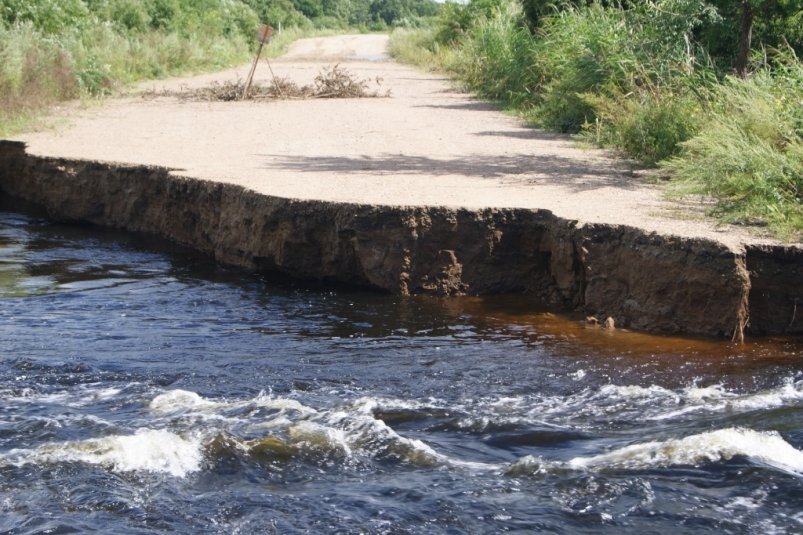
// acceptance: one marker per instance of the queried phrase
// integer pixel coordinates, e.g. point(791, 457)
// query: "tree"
point(745, 38)
point(747, 24)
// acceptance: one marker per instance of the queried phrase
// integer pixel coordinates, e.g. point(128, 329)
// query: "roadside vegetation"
point(710, 93)
point(56, 50)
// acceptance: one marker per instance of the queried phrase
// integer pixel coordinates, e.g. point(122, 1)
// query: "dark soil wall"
point(644, 281)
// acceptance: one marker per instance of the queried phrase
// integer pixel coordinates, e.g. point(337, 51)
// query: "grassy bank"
point(37, 71)
point(640, 80)
point(56, 50)
point(66, 50)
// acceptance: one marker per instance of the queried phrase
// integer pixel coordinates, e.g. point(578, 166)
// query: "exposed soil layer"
point(643, 280)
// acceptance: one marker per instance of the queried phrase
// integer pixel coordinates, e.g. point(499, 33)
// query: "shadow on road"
point(529, 134)
point(519, 169)
point(471, 106)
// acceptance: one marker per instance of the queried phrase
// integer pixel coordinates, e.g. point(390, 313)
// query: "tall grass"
point(39, 69)
point(420, 47)
point(749, 154)
point(34, 73)
point(497, 59)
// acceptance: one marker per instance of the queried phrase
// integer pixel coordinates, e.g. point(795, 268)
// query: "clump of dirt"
point(332, 82)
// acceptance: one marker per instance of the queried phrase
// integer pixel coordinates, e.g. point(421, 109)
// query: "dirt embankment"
point(643, 280)
point(427, 191)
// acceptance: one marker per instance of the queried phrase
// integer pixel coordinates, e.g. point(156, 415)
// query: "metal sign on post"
point(263, 36)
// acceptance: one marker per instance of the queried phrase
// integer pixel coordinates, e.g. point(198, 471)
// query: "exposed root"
point(334, 82)
point(742, 313)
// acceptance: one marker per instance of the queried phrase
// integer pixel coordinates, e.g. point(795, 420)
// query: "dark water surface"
point(146, 390)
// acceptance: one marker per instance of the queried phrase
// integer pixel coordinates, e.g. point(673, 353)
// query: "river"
point(147, 390)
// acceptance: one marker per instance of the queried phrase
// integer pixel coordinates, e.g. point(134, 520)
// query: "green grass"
point(497, 58)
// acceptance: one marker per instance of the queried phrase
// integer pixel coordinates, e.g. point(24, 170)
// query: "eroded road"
point(425, 145)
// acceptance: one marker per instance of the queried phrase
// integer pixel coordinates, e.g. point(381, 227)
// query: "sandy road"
point(426, 144)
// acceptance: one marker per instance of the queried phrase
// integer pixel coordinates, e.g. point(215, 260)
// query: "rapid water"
point(146, 390)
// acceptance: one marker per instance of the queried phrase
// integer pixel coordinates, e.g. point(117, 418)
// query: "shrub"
point(163, 14)
point(649, 127)
point(48, 16)
point(130, 14)
point(34, 73)
point(652, 129)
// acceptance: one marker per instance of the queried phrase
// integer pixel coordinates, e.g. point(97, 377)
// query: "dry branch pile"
point(334, 82)
point(339, 83)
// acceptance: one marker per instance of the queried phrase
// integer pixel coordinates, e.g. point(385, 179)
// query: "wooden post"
point(263, 36)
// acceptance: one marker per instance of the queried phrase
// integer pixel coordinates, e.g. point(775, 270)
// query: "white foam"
point(635, 392)
point(279, 422)
point(766, 448)
point(363, 434)
point(282, 404)
point(185, 400)
point(578, 375)
point(716, 398)
point(531, 465)
point(319, 437)
point(706, 394)
point(789, 392)
point(630, 402)
point(28, 395)
point(176, 400)
point(101, 394)
point(75, 397)
point(745, 503)
point(369, 405)
point(147, 450)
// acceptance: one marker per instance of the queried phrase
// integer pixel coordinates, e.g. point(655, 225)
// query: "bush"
point(130, 14)
point(48, 16)
point(612, 52)
point(652, 129)
point(648, 127)
point(34, 73)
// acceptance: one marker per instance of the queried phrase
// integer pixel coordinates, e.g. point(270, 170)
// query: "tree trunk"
point(745, 38)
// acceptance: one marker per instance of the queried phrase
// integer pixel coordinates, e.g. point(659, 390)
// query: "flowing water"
point(146, 390)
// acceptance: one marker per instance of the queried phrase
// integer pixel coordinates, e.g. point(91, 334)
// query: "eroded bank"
point(643, 280)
